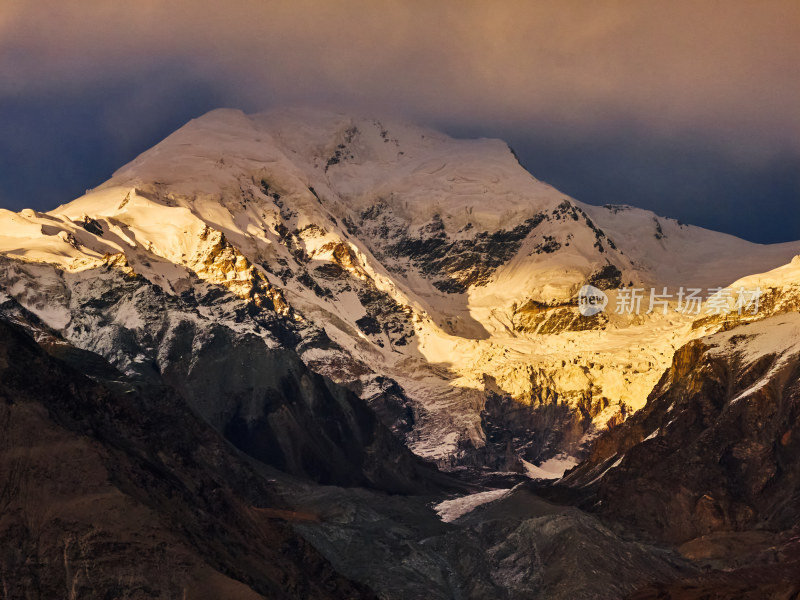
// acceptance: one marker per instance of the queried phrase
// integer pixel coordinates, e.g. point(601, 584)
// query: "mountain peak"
point(396, 254)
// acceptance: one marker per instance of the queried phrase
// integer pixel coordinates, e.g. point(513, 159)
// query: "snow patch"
point(552, 468)
point(652, 435)
point(450, 510)
point(778, 336)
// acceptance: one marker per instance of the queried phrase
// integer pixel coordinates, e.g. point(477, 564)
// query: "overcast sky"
point(688, 108)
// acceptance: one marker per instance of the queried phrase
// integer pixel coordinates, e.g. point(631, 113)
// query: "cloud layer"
point(717, 74)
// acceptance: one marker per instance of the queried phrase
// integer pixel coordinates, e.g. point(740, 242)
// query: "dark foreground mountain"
point(711, 463)
point(114, 488)
point(123, 493)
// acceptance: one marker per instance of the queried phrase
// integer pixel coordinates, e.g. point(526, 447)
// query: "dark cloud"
point(58, 143)
point(683, 106)
point(683, 180)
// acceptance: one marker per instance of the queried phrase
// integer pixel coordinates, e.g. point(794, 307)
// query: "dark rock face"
point(535, 431)
point(607, 278)
point(567, 210)
point(271, 406)
point(391, 405)
point(535, 317)
point(452, 264)
point(762, 570)
point(92, 226)
point(122, 492)
point(386, 321)
point(517, 548)
point(712, 471)
point(717, 463)
point(384, 315)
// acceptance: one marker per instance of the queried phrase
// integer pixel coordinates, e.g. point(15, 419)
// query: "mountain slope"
point(718, 432)
point(434, 277)
point(125, 493)
point(710, 463)
point(112, 486)
point(260, 396)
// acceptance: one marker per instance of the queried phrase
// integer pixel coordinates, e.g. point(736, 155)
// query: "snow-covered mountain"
point(434, 277)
